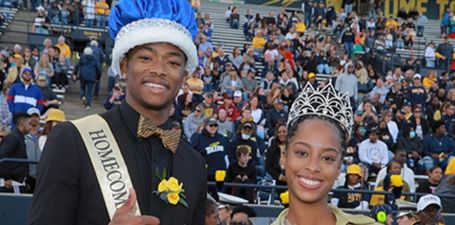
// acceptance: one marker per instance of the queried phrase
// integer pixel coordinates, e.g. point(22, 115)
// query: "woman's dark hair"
point(277, 126)
point(294, 125)
point(434, 167)
point(210, 207)
point(47, 128)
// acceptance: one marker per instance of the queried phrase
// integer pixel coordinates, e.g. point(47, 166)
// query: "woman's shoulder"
point(341, 217)
point(351, 219)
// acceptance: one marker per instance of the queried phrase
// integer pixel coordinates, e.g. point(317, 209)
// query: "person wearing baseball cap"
point(352, 200)
point(382, 214)
point(429, 210)
point(406, 218)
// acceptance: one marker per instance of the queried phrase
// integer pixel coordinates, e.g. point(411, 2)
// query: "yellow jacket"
point(428, 82)
point(259, 42)
point(65, 50)
point(102, 8)
point(300, 27)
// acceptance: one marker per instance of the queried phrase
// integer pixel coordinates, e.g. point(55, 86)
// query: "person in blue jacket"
point(438, 147)
point(25, 95)
point(87, 70)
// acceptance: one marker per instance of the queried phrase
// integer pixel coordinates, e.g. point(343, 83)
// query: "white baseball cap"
point(427, 200)
point(237, 94)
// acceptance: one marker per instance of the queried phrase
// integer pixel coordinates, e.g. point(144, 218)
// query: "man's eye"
point(329, 159)
point(175, 63)
point(145, 58)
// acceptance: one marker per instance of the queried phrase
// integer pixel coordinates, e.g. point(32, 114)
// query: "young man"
point(154, 51)
point(12, 175)
point(429, 210)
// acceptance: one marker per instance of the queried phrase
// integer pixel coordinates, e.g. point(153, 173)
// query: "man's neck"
point(159, 117)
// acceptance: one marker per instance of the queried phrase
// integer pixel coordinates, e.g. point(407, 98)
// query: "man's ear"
point(123, 67)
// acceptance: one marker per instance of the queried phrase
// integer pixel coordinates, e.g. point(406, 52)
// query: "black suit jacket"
point(67, 190)
point(13, 146)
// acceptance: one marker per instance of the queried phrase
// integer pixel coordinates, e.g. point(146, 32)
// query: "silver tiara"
point(325, 102)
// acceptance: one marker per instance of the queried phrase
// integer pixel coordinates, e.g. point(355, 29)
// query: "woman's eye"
point(301, 153)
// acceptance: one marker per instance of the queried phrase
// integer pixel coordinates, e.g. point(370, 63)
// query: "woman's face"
point(436, 175)
point(405, 220)
point(281, 133)
point(395, 168)
point(312, 161)
point(254, 102)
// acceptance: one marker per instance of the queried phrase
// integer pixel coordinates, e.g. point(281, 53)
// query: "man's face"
point(222, 114)
point(373, 137)
point(27, 76)
point(154, 74)
point(441, 130)
point(24, 126)
point(431, 215)
point(41, 82)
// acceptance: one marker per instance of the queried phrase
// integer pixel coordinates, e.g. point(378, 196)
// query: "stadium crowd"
point(233, 108)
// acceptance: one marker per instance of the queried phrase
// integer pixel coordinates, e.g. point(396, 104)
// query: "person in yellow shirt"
point(101, 12)
point(195, 83)
point(429, 80)
point(64, 48)
point(258, 42)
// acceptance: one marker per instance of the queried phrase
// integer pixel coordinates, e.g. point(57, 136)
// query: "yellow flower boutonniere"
point(284, 197)
point(171, 191)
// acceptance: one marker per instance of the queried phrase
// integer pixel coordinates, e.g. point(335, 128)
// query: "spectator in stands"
point(62, 67)
point(44, 68)
point(246, 136)
point(54, 117)
point(213, 147)
point(406, 218)
point(208, 106)
point(205, 45)
point(406, 173)
point(41, 22)
point(417, 95)
point(89, 12)
point(53, 13)
point(241, 215)
point(211, 212)
point(430, 55)
point(447, 188)
point(65, 12)
point(196, 85)
point(87, 69)
point(225, 126)
point(184, 106)
point(76, 12)
point(32, 147)
point(380, 90)
point(438, 147)
point(63, 46)
point(192, 122)
point(348, 41)
point(373, 153)
point(444, 53)
point(274, 163)
point(50, 99)
point(16, 69)
point(241, 171)
point(383, 214)
point(117, 96)
point(392, 183)
point(347, 83)
point(5, 113)
point(434, 178)
point(13, 146)
point(101, 12)
point(25, 95)
point(429, 210)
point(29, 60)
point(232, 82)
point(234, 18)
point(418, 123)
point(275, 115)
point(352, 200)
point(258, 43)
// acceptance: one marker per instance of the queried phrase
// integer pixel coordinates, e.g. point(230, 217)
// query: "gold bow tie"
point(170, 138)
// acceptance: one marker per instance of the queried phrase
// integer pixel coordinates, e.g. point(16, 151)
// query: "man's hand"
point(124, 216)
point(377, 165)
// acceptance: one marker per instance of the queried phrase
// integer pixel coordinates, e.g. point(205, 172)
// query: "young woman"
point(319, 127)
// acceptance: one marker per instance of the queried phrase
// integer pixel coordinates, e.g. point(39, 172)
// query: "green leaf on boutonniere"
point(183, 201)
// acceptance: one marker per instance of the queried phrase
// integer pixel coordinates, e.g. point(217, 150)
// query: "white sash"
point(107, 161)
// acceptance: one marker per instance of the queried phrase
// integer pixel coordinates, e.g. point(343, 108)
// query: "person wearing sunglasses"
point(213, 147)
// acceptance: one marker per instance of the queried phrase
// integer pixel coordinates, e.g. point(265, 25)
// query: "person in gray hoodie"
point(347, 83)
point(193, 122)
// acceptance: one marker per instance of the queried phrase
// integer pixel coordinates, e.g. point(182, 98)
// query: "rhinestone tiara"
point(325, 102)
point(152, 22)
